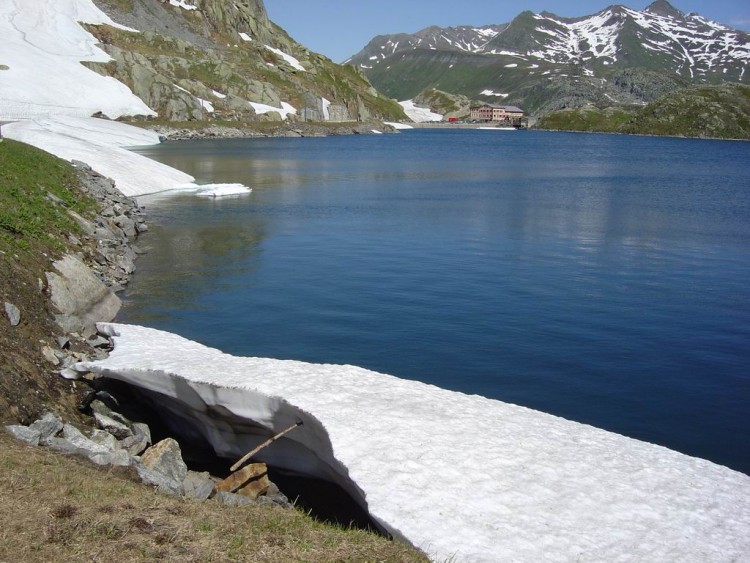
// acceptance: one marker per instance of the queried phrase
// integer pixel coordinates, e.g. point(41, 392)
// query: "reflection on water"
point(192, 245)
point(600, 278)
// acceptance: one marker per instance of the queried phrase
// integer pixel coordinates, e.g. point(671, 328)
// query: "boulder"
point(47, 426)
point(163, 467)
point(24, 433)
point(79, 295)
point(198, 486)
point(13, 313)
point(232, 499)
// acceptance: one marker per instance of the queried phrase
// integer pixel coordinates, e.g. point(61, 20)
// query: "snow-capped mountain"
point(519, 58)
point(462, 38)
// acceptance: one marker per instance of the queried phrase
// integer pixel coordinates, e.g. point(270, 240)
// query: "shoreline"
point(189, 131)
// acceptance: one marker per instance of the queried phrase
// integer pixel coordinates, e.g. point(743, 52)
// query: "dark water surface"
point(601, 278)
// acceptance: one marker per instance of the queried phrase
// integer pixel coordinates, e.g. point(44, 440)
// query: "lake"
point(600, 278)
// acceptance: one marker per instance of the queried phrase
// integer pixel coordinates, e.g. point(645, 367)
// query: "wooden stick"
point(268, 442)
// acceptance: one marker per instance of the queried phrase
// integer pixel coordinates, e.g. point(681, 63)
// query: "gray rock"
point(98, 342)
point(116, 428)
point(142, 429)
point(24, 433)
point(126, 224)
point(79, 295)
point(47, 426)
point(162, 465)
point(80, 441)
point(105, 439)
point(64, 446)
point(13, 313)
point(232, 499)
point(198, 486)
point(135, 444)
point(119, 458)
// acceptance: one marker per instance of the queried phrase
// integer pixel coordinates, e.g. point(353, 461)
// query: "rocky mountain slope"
point(216, 60)
point(709, 111)
point(543, 62)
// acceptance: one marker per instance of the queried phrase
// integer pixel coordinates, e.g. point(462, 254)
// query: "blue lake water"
point(600, 278)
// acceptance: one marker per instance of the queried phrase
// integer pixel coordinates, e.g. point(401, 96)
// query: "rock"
point(105, 439)
point(79, 295)
point(162, 466)
point(251, 481)
point(80, 441)
point(135, 444)
point(198, 486)
point(13, 313)
point(99, 342)
point(143, 430)
point(126, 224)
point(232, 499)
point(49, 355)
point(47, 426)
point(115, 427)
point(24, 433)
point(119, 458)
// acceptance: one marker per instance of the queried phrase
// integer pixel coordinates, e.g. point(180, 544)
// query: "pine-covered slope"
point(212, 59)
point(543, 62)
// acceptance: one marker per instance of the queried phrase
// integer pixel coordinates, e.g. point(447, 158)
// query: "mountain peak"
point(664, 8)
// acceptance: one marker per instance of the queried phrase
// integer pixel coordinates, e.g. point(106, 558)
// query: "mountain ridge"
point(543, 52)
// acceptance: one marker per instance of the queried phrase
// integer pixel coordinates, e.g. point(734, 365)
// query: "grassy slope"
point(32, 232)
point(703, 111)
point(57, 508)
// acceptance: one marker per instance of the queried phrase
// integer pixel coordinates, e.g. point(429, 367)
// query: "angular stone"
point(118, 429)
point(77, 439)
point(49, 355)
point(79, 295)
point(250, 481)
point(63, 445)
point(24, 433)
point(13, 313)
point(232, 499)
point(162, 465)
point(142, 429)
point(47, 426)
point(118, 457)
point(198, 486)
point(135, 444)
point(105, 439)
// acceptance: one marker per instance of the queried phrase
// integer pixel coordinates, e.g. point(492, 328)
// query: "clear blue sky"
point(341, 28)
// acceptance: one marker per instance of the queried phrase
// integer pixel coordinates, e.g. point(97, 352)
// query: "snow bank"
point(43, 45)
point(182, 4)
point(285, 110)
point(462, 477)
point(489, 92)
point(419, 115)
point(293, 62)
point(397, 125)
point(222, 190)
point(100, 144)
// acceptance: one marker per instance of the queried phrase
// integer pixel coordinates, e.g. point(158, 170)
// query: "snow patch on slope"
point(294, 63)
point(285, 110)
point(100, 144)
point(541, 488)
point(419, 115)
point(43, 44)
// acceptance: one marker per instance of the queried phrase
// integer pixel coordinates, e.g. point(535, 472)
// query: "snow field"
point(463, 478)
